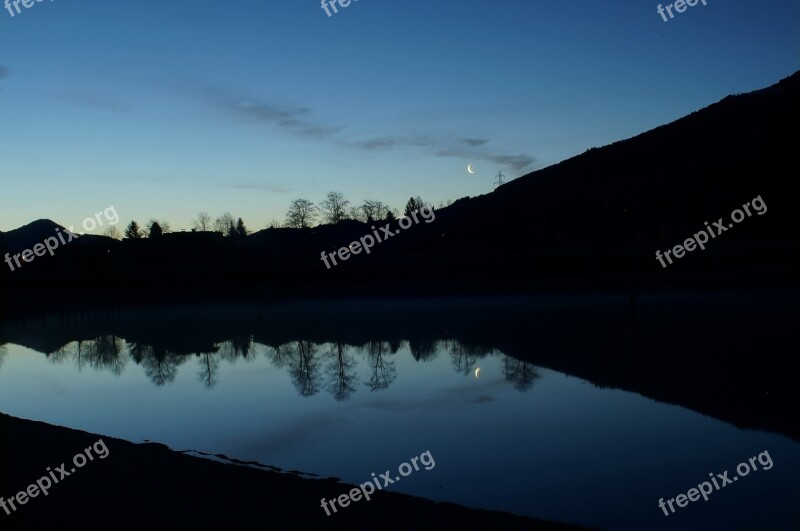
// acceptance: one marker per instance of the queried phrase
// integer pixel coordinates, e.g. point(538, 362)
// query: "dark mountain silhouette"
point(593, 221)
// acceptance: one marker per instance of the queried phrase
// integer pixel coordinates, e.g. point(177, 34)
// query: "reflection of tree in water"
point(61, 354)
point(208, 366)
point(75, 350)
point(138, 351)
point(303, 366)
point(107, 352)
point(238, 346)
point(280, 356)
point(463, 357)
point(395, 345)
point(103, 352)
point(382, 371)
point(159, 365)
point(341, 376)
point(521, 373)
point(423, 349)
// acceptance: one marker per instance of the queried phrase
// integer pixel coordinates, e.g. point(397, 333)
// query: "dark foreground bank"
point(141, 486)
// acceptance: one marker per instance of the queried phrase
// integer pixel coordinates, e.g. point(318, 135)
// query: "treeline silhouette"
point(594, 220)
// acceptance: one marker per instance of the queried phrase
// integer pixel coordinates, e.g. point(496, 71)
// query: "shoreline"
point(145, 484)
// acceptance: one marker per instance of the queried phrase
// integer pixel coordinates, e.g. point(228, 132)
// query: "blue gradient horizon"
point(165, 110)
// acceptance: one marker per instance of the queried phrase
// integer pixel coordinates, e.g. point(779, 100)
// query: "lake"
point(352, 389)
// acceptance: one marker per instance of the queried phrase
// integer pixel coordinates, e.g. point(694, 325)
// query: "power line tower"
point(499, 181)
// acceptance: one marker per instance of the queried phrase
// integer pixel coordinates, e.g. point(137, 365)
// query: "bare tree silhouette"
point(341, 373)
point(107, 352)
point(238, 346)
point(209, 364)
point(161, 366)
point(463, 357)
point(521, 373)
point(304, 368)
point(382, 372)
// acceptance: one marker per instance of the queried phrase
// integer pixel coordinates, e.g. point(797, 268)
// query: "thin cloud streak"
point(288, 119)
point(472, 149)
point(298, 121)
point(274, 188)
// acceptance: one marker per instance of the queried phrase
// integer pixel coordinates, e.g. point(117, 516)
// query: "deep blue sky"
point(164, 109)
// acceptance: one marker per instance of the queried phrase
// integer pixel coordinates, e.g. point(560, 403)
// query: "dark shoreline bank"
point(147, 485)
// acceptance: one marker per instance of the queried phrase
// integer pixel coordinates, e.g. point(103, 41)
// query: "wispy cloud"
point(291, 119)
point(3, 71)
point(385, 143)
point(299, 121)
point(472, 148)
point(475, 141)
point(274, 188)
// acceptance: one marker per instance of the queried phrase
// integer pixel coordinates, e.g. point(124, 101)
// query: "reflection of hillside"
point(521, 373)
point(105, 352)
point(311, 366)
point(692, 351)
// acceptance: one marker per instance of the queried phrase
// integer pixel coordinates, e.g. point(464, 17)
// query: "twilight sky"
point(164, 109)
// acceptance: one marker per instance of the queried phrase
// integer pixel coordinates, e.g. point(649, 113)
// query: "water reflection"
point(311, 366)
point(693, 352)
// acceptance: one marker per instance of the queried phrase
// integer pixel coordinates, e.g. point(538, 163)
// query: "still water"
point(505, 434)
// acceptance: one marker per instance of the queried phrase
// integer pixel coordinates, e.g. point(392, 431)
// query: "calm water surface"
point(504, 434)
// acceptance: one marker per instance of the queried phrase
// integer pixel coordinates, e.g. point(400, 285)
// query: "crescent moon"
point(469, 168)
point(477, 371)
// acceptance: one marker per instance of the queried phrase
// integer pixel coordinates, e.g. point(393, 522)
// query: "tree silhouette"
point(382, 371)
point(423, 349)
point(341, 373)
point(241, 230)
point(521, 373)
point(305, 368)
point(133, 231)
point(107, 352)
point(224, 224)
point(280, 356)
point(155, 230)
point(374, 210)
point(414, 204)
point(334, 208)
point(208, 366)
point(240, 345)
point(301, 214)
point(113, 232)
point(161, 366)
point(202, 222)
point(464, 357)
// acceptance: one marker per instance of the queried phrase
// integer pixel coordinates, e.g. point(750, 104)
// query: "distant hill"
point(596, 219)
